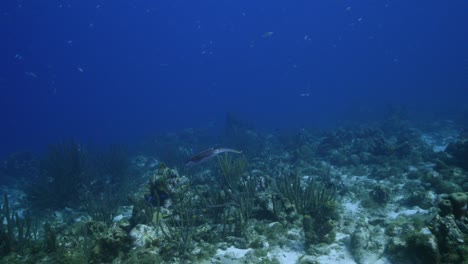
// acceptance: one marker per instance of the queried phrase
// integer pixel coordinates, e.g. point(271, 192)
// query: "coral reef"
point(383, 193)
point(459, 153)
point(317, 205)
point(19, 166)
point(64, 173)
point(16, 232)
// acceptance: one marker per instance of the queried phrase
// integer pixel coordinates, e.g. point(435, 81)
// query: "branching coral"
point(179, 228)
point(315, 202)
point(306, 199)
point(239, 187)
point(64, 173)
point(17, 231)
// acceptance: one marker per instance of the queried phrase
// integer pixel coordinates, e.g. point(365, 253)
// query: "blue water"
point(116, 71)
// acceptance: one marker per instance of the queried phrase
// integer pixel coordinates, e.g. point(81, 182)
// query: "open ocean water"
point(221, 131)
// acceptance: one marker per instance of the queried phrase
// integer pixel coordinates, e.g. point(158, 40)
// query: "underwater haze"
point(106, 71)
point(233, 132)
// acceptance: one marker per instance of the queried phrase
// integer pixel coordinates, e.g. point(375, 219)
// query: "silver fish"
point(207, 155)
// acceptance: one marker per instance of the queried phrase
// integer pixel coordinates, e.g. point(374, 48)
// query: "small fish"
point(268, 34)
point(207, 155)
point(31, 74)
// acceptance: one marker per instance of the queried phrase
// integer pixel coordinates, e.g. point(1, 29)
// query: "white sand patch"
point(337, 254)
point(439, 148)
point(118, 218)
point(285, 256)
point(435, 144)
point(341, 236)
point(351, 208)
point(416, 210)
point(440, 142)
point(233, 252)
